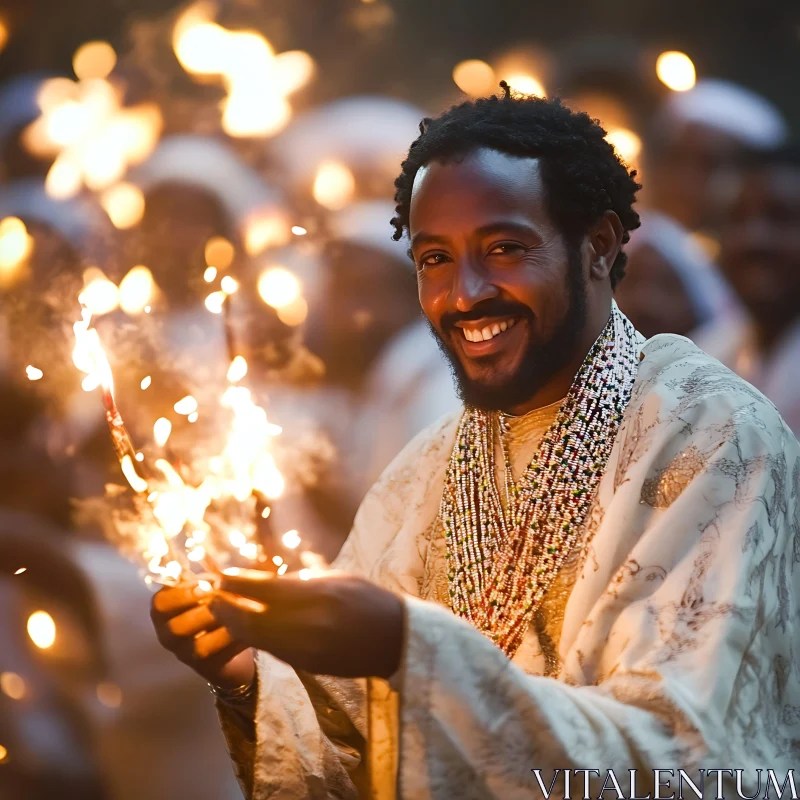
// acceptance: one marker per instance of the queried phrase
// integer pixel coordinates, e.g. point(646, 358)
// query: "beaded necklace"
point(501, 561)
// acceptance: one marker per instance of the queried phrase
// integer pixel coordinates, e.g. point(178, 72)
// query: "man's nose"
point(472, 285)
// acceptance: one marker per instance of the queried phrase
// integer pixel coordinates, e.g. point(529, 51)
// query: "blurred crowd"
point(269, 238)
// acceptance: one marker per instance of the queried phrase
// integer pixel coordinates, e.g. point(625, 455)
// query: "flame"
point(138, 484)
point(334, 185)
point(42, 629)
point(88, 355)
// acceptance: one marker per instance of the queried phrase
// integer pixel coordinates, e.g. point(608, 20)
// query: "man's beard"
point(542, 359)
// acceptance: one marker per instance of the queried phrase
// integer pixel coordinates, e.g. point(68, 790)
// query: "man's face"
point(761, 244)
point(685, 176)
point(503, 295)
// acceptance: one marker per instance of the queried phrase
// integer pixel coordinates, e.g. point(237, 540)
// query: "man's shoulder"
point(677, 380)
point(432, 444)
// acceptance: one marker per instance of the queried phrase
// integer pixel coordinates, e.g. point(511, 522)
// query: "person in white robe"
point(593, 566)
point(671, 285)
point(761, 258)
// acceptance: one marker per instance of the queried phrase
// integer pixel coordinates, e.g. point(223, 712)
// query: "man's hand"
point(331, 625)
point(186, 627)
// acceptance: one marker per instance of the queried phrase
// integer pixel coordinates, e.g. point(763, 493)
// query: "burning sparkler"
point(186, 529)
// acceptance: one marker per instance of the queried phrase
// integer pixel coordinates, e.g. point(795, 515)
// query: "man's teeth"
point(489, 332)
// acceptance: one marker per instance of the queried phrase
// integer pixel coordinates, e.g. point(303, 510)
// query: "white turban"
point(728, 108)
point(708, 292)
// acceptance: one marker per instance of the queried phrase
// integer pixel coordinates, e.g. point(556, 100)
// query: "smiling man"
point(592, 567)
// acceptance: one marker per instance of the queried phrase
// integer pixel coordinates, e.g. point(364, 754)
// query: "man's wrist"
point(237, 695)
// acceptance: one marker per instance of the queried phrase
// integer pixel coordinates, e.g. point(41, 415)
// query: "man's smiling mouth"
point(482, 331)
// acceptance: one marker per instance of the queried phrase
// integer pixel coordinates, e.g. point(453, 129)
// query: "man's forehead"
point(485, 181)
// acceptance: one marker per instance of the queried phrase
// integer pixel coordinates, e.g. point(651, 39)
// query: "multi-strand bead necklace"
point(501, 561)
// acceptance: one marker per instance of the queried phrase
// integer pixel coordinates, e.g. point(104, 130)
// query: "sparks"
point(33, 373)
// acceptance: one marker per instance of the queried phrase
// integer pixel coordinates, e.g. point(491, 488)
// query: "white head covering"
point(709, 294)
point(80, 220)
point(368, 224)
point(208, 163)
point(19, 102)
point(729, 108)
point(365, 133)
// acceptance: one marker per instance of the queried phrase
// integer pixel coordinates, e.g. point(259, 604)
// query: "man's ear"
point(605, 241)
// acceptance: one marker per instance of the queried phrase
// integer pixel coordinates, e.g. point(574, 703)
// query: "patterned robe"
point(671, 638)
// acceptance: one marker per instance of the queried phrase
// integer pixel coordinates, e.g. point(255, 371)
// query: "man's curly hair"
point(582, 173)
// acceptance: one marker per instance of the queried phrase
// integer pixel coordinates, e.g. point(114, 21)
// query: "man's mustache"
point(488, 308)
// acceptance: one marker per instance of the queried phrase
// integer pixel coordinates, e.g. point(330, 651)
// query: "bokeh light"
point(334, 185)
point(219, 253)
point(109, 694)
point(525, 84)
point(94, 60)
point(676, 71)
point(15, 246)
point(99, 295)
point(124, 204)
point(475, 78)
point(278, 287)
point(13, 685)
point(42, 629)
point(136, 290)
point(627, 144)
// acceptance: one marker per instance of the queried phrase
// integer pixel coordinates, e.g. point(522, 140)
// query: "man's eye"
point(432, 260)
point(506, 248)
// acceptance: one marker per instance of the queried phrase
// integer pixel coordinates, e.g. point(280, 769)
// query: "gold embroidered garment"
point(669, 640)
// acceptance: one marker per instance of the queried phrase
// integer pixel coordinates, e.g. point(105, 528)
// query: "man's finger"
point(250, 583)
point(172, 600)
point(193, 621)
point(240, 615)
